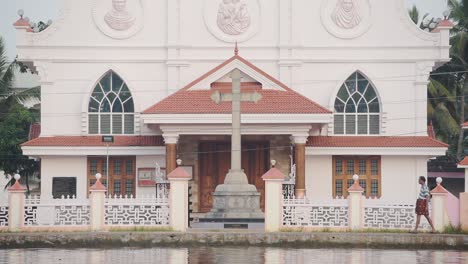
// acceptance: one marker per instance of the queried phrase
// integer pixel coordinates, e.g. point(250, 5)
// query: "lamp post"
point(107, 140)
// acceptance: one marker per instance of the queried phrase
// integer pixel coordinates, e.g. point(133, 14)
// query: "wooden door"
point(215, 162)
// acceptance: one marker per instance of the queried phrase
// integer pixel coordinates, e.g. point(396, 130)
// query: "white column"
point(97, 198)
point(16, 206)
point(273, 199)
point(178, 199)
point(355, 205)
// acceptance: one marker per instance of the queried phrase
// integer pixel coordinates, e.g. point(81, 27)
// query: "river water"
point(225, 255)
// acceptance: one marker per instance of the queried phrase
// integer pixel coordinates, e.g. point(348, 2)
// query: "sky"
point(43, 10)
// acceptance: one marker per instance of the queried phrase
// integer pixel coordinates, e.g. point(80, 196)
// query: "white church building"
point(343, 85)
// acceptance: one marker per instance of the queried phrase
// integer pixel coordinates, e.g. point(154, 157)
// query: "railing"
point(130, 211)
point(162, 190)
point(304, 213)
point(67, 211)
point(3, 215)
point(288, 191)
point(390, 215)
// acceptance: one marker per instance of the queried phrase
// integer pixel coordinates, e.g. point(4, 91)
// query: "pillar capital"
point(299, 139)
point(171, 138)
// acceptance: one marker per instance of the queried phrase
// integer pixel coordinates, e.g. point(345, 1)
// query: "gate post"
point(178, 199)
point(16, 205)
point(439, 212)
point(97, 199)
point(273, 198)
point(355, 205)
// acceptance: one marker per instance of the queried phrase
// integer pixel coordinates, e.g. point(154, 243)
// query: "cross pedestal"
point(236, 199)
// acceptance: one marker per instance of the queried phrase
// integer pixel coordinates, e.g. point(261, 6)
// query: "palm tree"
point(459, 54)
point(423, 22)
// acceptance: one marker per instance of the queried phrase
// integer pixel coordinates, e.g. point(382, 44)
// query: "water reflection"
point(224, 255)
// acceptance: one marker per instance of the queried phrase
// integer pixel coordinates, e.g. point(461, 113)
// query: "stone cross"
point(236, 97)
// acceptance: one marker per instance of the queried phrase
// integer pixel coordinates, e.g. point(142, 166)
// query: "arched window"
point(111, 109)
point(357, 108)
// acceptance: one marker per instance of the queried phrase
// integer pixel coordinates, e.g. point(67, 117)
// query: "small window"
point(368, 169)
point(63, 186)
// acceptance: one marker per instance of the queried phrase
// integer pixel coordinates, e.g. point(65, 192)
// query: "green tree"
point(15, 121)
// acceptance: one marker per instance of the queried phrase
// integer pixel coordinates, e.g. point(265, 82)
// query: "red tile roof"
point(445, 23)
point(21, 23)
point(464, 162)
point(374, 142)
point(187, 101)
point(95, 141)
point(34, 131)
point(273, 174)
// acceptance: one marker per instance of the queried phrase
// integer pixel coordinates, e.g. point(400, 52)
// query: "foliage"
point(15, 121)
point(424, 23)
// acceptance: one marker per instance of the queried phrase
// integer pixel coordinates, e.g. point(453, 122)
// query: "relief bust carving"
point(233, 17)
point(118, 17)
point(346, 14)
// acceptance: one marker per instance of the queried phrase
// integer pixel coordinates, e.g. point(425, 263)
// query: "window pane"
point(129, 167)
point(128, 106)
point(362, 124)
point(339, 167)
point(351, 83)
point(124, 93)
point(129, 124)
point(105, 106)
point(339, 106)
point(362, 167)
point(339, 188)
point(105, 82)
point(350, 183)
point(374, 167)
point(111, 96)
point(117, 124)
point(370, 94)
point(105, 124)
point(117, 167)
point(374, 124)
point(93, 106)
point(374, 188)
point(362, 107)
point(350, 107)
point(350, 124)
point(93, 167)
point(97, 93)
point(363, 184)
point(343, 94)
point(116, 82)
point(129, 187)
point(362, 83)
point(91, 182)
point(350, 167)
point(93, 124)
point(117, 107)
point(339, 124)
point(374, 106)
point(117, 187)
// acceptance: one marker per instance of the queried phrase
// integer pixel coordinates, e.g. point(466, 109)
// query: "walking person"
point(422, 204)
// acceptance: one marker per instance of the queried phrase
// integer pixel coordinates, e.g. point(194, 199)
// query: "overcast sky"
point(44, 10)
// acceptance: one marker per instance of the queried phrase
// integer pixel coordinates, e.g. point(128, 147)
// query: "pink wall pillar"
point(16, 205)
point(439, 210)
point(97, 199)
point(178, 198)
point(273, 198)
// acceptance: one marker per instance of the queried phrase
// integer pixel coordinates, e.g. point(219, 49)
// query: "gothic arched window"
point(111, 109)
point(357, 108)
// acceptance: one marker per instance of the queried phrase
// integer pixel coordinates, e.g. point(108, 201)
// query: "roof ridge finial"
point(236, 49)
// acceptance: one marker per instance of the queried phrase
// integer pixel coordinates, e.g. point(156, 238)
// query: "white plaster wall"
point(175, 47)
point(399, 177)
point(319, 178)
point(63, 167)
point(3, 193)
point(148, 162)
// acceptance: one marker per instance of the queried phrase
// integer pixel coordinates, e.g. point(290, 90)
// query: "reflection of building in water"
point(212, 255)
point(119, 18)
point(346, 14)
point(233, 17)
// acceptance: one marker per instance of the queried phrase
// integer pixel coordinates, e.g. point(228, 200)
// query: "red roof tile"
point(374, 142)
point(464, 162)
point(445, 23)
point(273, 174)
point(95, 141)
point(187, 101)
point(21, 23)
point(34, 131)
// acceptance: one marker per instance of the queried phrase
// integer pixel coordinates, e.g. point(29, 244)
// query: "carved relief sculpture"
point(346, 14)
point(118, 18)
point(233, 17)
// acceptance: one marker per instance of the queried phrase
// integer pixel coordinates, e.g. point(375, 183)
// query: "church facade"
point(343, 85)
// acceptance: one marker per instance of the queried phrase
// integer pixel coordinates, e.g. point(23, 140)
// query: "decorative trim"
point(343, 23)
point(93, 151)
point(245, 119)
point(227, 129)
point(428, 152)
